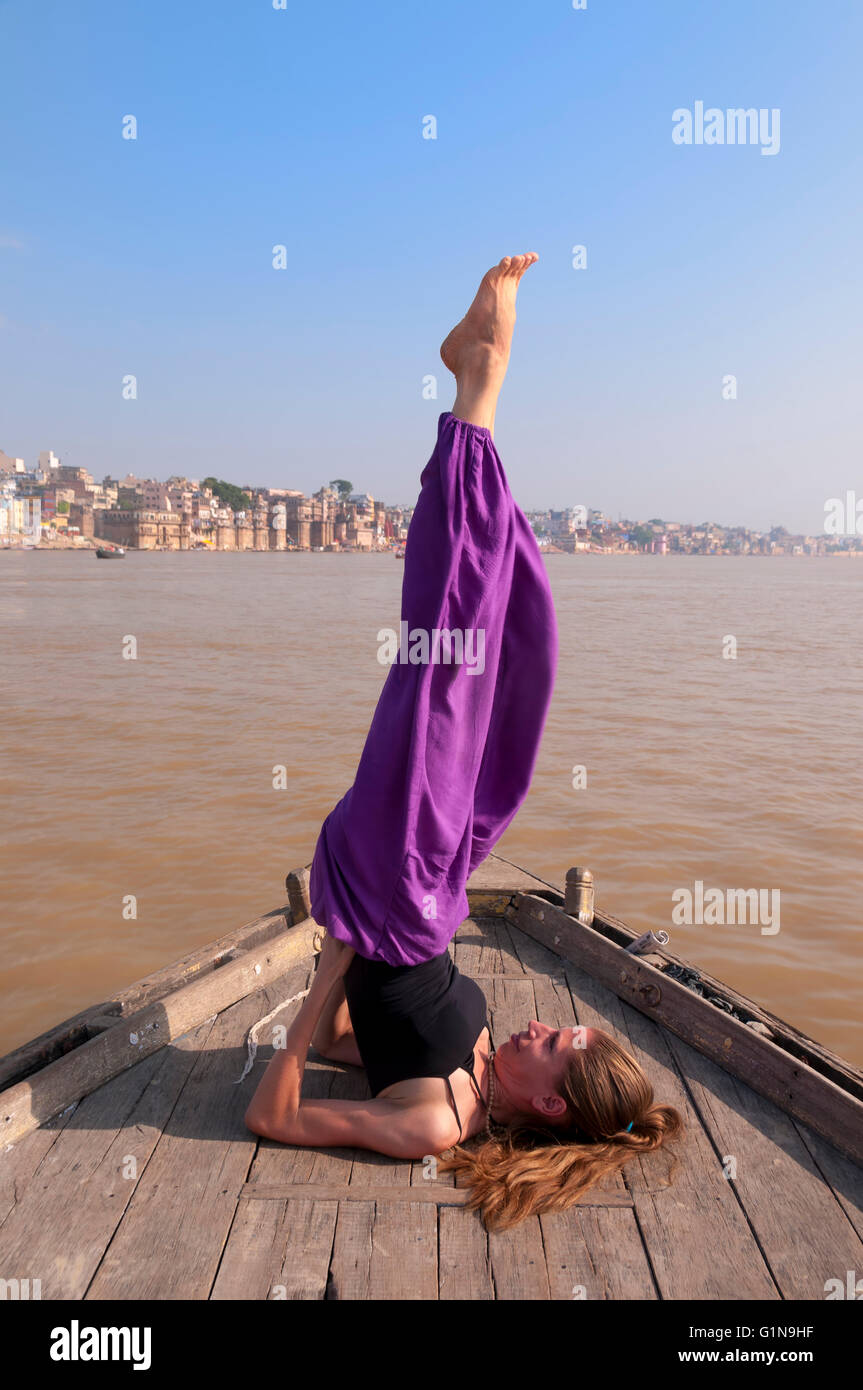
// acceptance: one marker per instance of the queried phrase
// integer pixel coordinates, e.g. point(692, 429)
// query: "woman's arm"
point(334, 1024)
point(278, 1094)
point(391, 1127)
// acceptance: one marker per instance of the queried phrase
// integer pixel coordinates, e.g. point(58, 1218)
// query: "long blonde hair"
point(534, 1167)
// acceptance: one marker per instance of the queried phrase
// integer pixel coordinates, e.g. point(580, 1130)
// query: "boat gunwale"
point(26, 1062)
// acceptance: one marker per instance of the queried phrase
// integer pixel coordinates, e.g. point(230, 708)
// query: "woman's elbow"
point(255, 1120)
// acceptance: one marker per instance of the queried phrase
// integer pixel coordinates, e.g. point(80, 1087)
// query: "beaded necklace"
point(490, 1102)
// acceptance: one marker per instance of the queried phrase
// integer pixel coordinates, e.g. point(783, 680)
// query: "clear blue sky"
point(304, 127)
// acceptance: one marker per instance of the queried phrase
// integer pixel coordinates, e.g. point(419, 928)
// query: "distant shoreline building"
point(181, 514)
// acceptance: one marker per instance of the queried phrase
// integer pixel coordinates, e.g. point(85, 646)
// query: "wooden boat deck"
point(151, 1187)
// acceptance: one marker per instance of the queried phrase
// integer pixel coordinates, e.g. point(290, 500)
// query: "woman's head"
point(577, 1080)
point(564, 1099)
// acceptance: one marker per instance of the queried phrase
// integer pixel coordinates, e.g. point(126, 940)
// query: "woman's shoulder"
point(431, 1098)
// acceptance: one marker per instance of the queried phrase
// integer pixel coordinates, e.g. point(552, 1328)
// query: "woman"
point(446, 764)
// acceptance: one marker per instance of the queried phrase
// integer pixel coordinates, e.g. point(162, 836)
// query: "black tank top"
point(413, 1021)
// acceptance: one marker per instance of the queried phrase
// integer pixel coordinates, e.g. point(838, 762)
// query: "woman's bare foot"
point(477, 350)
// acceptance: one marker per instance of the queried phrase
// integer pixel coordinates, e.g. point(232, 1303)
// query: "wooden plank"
point(267, 1234)
point(499, 876)
point(535, 958)
point(170, 1241)
point(388, 1250)
point(19, 1162)
point(268, 1239)
point(384, 1251)
point(351, 1259)
point(47, 1047)
point(478, 947)
point(517, 1261)
point(436, 1193)
point(404, 1256)
point(489, 902)
point(844, 1177)
point(516, 1258)
point(305, 1267)
point(282, 1253)
point(795, 1043)
point(25, 1106)
point(761, 1063)
point(509, 955)
point(360, 1238)
point(697, 1238)
point(804, 1234)
point(66, 1218)
point(594, 1253)
point(63, 1037)
point(464, 1270)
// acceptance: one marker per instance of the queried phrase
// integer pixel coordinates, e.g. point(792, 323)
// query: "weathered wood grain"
point(594, 1252)
point(25, 1106)
point(774, 1073)
point(478, 947)
point(435, 1192)
point(803, 1232)
point(19, 1162)
point(299, 901)
point(844, 1177)
point(170, 1241)
point(268, 1238)
point(689, 1213)
point(390, 1245)
point(216, 1213)
point(497, 875)
point(71, 1033)
point(278, 1250)
point(795, 1043)
point(69, 1212)
point(464, 1272)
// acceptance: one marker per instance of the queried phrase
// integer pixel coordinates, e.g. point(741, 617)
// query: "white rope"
point(252, 1038)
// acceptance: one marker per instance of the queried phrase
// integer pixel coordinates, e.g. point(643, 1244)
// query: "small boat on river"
point(127, 1172)
point(109, 552)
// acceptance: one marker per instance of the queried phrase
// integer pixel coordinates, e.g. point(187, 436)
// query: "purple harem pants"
point(451, 749)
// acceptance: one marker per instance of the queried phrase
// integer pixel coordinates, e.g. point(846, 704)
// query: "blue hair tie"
point(629, 1126)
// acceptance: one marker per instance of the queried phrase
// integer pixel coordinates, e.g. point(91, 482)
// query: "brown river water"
point(153, 777)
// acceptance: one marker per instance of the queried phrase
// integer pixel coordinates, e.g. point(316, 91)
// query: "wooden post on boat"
point(297, 884)
point(579, 898)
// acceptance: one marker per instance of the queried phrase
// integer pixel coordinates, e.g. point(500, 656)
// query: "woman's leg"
point(477, 350)
point(393, 856)
point(528, 664)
